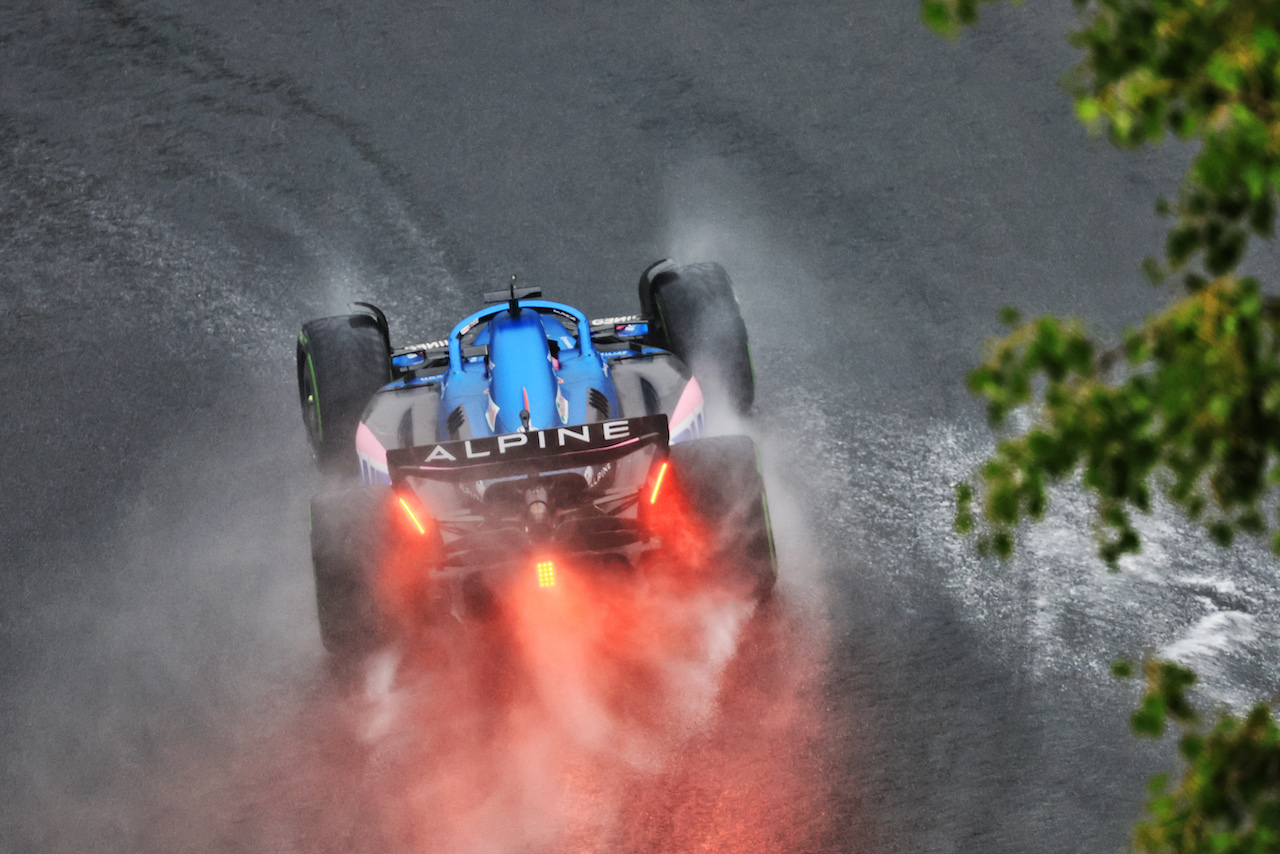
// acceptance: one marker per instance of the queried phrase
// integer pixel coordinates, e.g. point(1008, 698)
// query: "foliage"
point(1189, 403)
point(1199, 402)
point(1197, 395)
point(1228, 800)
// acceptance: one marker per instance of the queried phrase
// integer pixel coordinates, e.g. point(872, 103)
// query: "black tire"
point(721, 480)
point(698, 319)
point(342, 361)
point(348, 530)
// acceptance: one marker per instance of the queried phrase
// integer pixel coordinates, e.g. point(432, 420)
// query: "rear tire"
point(342, 361)
point(348, 535)
point(720, 478)
point(698, 319)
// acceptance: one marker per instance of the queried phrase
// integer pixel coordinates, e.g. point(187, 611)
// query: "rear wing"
point(531, 452)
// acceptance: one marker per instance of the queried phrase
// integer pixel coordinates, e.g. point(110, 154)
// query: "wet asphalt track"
point(182, 183)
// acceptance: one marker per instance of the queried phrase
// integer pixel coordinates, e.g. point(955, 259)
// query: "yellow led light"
point(657, 484)
point(546, 574)
point(412, 516)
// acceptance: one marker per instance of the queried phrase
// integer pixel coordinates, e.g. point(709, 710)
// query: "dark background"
point(183, 183)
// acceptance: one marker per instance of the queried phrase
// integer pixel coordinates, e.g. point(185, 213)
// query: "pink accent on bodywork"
point(368, 446)
point(688, 411)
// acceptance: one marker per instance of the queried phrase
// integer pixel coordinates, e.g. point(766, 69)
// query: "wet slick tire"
point(700, 321)
point(348, 536)
point(720, 479)
point(342, 361)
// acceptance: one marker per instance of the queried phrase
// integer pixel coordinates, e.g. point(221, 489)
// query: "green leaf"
point(1191, 746)
point(1002, 544)
point(937, 17)
point(1088, 111)
point(1255, 178)
point(1223, 71)
point(1266, 40)
point(1148, 720)
point(1152, 270)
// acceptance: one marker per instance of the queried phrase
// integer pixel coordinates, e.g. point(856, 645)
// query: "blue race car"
point(532, 446)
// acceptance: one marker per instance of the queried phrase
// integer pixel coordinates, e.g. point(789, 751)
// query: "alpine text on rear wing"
point(535, 450)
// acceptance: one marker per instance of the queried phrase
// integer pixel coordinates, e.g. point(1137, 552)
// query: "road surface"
point(183, 183)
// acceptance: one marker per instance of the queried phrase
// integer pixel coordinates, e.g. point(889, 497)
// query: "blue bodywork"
point(540, 356)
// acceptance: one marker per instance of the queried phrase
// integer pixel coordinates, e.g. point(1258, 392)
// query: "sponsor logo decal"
point(631, 330)
point(617, 321)
point(429, 345)
point(491, 413)
point(562, 406)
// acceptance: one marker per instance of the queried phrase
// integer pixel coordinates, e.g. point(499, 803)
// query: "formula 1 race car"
point(532, 447)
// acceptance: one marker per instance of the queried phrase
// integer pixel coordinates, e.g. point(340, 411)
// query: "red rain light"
point(413, 517)
point(546, 574)
point(657, 484)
